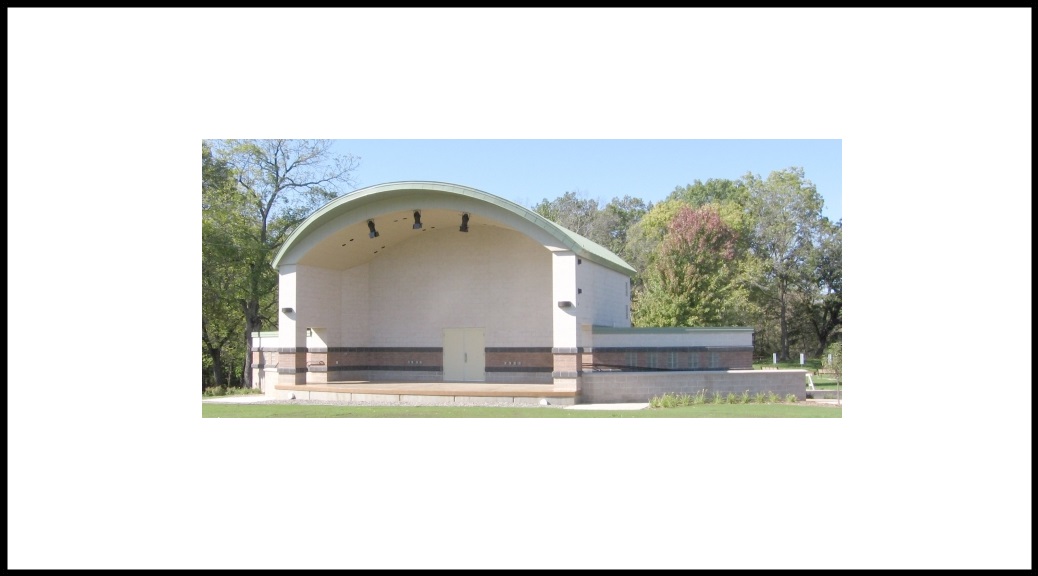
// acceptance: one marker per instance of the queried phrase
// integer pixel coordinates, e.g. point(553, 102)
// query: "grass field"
point(698, 411)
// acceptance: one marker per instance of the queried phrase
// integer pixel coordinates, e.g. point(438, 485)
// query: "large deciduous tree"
point(694, 278)
point(278, 184)
point(824, 302)
point(786, 211)
point(222, 269)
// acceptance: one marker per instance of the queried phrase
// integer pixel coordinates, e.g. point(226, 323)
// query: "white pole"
point(774, 357)
point(801, 358)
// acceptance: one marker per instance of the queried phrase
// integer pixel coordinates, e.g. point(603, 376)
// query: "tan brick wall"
point(291, 360)
point(566, 362)
point(264, 358)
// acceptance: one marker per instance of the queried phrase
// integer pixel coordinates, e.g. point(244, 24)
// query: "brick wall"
point(671, 358)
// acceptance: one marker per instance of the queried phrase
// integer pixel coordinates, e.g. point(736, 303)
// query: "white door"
point(464, 355)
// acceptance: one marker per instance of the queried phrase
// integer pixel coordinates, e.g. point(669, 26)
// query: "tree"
point(786, 211)
point(645, 236)
point(222, 318)
point(694, 278)
point(279, 183)
point(607, 226)
point(616, 220)
point(573, 212)
point(824, 307)
point(713, 191)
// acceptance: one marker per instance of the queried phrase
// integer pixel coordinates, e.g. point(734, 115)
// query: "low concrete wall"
point(607, 387)
point(431, 400)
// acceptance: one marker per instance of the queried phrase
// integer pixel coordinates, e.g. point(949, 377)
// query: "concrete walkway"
point(237, 399)
point(251, 398)
point(628, 406)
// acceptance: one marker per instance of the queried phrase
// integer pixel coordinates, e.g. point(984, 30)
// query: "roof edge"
point(580, 245)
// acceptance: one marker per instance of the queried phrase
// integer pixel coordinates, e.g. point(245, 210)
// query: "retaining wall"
point(606, 387)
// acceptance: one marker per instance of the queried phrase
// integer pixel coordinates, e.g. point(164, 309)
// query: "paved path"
point(238, 399)
point(253, 398)
point(629, 406)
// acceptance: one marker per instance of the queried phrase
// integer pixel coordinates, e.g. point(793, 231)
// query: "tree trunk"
point(825, 334)
point(825, 329)
point(253, 319)
point(783, 328)
point(215, 352)
point(217, 356)
point(251, 325)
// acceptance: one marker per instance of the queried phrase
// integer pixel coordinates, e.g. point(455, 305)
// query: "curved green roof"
point(580, 245)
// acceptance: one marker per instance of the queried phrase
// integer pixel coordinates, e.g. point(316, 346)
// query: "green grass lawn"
point(698, 411)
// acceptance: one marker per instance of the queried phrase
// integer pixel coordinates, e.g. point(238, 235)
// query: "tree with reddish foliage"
point(694, 277)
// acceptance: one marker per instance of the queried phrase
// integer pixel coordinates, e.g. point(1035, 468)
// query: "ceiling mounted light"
point(464, 223)
point(371, 227)
point(417, 221)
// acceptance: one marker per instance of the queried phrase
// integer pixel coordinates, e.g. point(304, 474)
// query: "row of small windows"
point(675, 360)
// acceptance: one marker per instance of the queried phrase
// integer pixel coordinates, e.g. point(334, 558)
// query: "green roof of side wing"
point(580, 245)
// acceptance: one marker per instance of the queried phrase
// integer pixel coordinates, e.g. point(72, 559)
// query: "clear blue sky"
point(528, 171)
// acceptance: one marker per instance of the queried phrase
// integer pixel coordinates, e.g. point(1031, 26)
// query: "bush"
point(225, 391)
point(669, 400)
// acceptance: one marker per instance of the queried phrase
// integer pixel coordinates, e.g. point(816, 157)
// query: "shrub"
point(759, 397)
point(229, 391)
point(745, 399)
point(791, 398)
point(718, 398)
point(772, 397)
point(700, 397)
